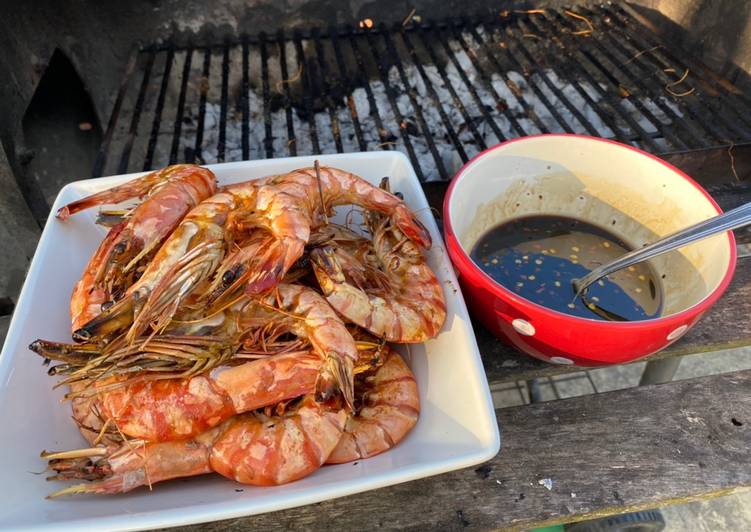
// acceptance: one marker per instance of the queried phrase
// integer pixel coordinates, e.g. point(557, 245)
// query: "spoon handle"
point(733, 219)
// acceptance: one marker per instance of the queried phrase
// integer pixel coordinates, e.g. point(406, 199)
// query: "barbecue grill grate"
point(439, 91)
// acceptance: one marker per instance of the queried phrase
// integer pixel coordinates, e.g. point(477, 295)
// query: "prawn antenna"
point(317, 166)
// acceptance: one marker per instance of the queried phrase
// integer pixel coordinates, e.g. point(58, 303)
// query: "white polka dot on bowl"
point(561, 360)
point(677, 333)
point(523, 327)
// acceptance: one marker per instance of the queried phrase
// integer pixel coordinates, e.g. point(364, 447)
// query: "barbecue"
point(417, 92)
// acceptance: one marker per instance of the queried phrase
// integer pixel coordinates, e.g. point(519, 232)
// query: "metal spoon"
point(738, 217)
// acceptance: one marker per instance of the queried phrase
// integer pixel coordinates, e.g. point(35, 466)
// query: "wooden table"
point(577, 458)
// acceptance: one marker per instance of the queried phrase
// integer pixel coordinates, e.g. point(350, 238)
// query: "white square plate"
point(457, 426)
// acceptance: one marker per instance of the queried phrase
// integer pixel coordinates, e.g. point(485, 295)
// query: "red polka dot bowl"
point(636, 196)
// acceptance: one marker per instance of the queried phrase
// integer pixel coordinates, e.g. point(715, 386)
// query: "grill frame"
point(621, 52)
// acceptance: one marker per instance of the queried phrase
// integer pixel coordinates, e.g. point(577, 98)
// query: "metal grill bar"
point(138, 107)
point(669, 61)
point(158, 112)
point(741, 110)
point(335, 130)
point(511, 48)
point(180, 108)
point(268, 141)
point(689, 135)
point(646, 77)
point(433, 96)
point(447, 83)
point(501, 69)
point(348, 88)
point(501, 104)
point(531, 66)
point(439, 91)
point(223, 106)
point(418, 111)
point(615, 83)
point(245, 103)
point(594, 77)
point(136, 115)
point(284, 82)
point(610, 113)
point(101, 157)
point(384, 140)
point(467, 83)
point(392, 100)
point(304, 70)
point(618, 83)
point(198, 150)
point(691, 105)
point(549, 56)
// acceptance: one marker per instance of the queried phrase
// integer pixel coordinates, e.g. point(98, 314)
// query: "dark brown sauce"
point(538, 257)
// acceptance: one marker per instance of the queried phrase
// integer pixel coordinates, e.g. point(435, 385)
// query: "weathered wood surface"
point(600, 455)
point(18, 233)
point(719, 329)
point(714, 166)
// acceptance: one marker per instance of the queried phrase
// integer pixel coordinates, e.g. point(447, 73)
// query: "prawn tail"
point(76, 489)
point(78, 464)
point(101, 479)
point(136, 188)
point(337, 375)
point(134, 464)
point(412, 227)
point(268, 268)
point(327, 269)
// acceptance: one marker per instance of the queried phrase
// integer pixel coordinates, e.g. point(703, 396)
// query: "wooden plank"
point(563, 461)
point(18, 233)
point(714, 165)
point(719, 329)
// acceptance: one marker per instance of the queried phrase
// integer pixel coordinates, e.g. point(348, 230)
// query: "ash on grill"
point(446, 149)
point(440, 92)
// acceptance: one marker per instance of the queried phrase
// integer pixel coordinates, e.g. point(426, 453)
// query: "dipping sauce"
point(538, 257)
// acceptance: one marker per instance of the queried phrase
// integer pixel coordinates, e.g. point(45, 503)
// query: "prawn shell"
point(268, 452)
point(169, 409)
point(390, 410)
point(172, 409)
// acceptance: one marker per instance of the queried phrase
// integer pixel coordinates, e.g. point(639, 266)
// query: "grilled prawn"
point(170, 193)
point(251, 448)
point(384, 286)
point(387, 409)
point(189, 255)
point(289, 206)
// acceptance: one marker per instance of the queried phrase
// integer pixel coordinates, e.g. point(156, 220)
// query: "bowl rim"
point(464, 261)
